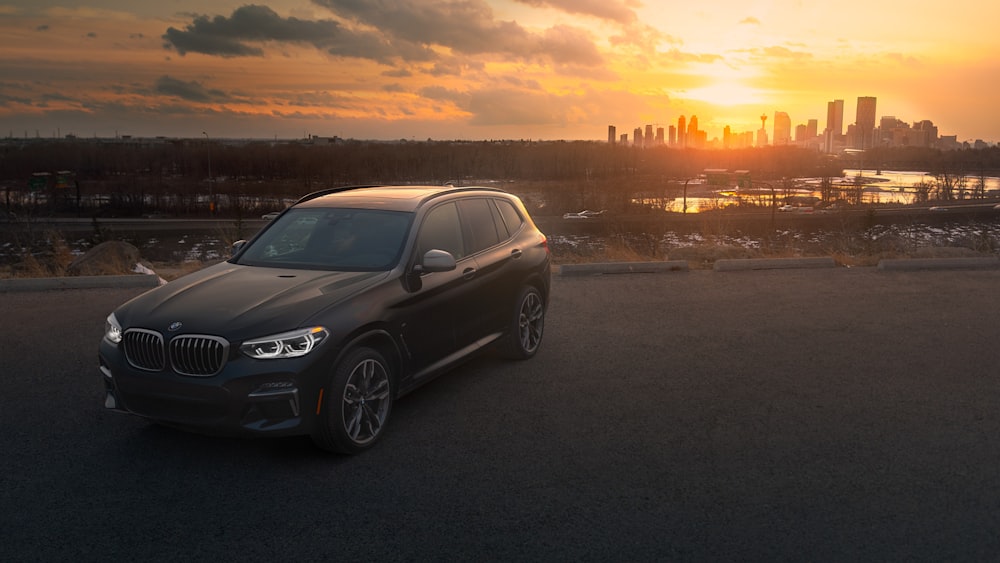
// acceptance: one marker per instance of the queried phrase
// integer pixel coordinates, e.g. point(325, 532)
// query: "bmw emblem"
point(174, 326)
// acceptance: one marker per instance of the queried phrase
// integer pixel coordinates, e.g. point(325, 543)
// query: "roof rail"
point(329, 191)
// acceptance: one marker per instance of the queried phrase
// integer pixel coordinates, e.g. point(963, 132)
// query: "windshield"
point(331, 239)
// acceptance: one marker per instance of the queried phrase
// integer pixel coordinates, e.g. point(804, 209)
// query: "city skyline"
point(867, 131)
point(484, 69)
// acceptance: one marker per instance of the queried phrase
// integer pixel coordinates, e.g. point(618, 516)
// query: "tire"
point(357, 403)
point(526, 326)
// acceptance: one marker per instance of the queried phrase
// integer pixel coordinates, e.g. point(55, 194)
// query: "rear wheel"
point(357, 403)
point(527, 325)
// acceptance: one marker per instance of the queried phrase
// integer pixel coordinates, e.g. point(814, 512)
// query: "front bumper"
point(248, 397)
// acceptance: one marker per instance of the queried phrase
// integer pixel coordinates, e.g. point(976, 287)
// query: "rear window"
point(510, 215)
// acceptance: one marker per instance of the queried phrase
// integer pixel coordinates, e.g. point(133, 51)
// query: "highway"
point(844, 414)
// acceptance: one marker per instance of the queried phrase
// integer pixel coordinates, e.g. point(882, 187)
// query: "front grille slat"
point(189, 354)
point(144, 349)
point(198, 355)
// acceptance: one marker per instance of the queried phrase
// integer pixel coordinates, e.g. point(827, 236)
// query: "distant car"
point(585, 214)
point(346, 302)
point(270, 216)
point(937, 209)
point(796, 209)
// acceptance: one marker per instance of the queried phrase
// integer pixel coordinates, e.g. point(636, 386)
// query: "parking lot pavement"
point(821, 414)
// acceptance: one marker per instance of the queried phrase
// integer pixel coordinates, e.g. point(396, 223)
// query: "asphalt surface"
point(818, 415)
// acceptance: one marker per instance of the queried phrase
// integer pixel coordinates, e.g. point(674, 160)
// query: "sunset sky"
point(487, 69)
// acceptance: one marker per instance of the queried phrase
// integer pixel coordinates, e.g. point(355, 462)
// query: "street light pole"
point(211, 199)
point(686, 195)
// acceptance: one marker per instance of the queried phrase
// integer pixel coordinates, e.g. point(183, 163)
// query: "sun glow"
point(726, 94)
point(726, 85)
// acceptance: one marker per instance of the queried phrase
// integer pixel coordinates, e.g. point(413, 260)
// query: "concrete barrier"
point(739, 264)
point(961, 263)
point(79, 282)
point(623, 268)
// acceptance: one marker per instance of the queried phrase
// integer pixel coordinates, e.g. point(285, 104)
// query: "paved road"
point(821, 415)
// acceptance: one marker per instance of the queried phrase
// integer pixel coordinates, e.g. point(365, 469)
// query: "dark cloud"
point(604, 9)
point(43, 27)
point(398, 73)
point(228, 37)
point(445, 69)
point(390, 32)
point(7, 99)
point(505, 107)
point(241, 34)
point(466, 27)
point(440, 93)
point(569, 45)
point(192, 91)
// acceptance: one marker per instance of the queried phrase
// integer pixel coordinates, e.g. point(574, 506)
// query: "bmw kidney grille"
point(189, 354)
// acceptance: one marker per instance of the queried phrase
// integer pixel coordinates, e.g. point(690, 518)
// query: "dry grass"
point(54, 260)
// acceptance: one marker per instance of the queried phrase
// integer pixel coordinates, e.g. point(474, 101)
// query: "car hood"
point(239, 302)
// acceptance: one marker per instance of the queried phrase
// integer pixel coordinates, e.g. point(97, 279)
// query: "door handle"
point(469, 273)
point(516, 253)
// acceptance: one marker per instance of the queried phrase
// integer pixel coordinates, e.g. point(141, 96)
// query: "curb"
point(79, 282)
point(623, 268)
point(912, 264)
point(741, 264)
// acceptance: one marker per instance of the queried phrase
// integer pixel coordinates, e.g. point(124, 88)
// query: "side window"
point(511, 217)
point(478, 221)
point(442, 231)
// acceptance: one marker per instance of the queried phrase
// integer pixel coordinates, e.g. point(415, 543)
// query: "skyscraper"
point(782, 128)
point(681, 131)
point(865, 122)
point(612, 136)
point(692, 139)
point(835, 117)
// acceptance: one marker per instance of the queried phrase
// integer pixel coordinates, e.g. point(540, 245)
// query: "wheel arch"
point(381, 340)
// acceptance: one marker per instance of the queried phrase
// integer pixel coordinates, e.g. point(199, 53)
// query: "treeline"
point(366, 161)
point(177, 176)
point(967, 161)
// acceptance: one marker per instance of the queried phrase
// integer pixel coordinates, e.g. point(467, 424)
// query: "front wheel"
point(526, 325)
point(357, 403)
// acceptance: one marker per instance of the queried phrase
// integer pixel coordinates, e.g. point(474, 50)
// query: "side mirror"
point(436, 261)
point(237, 246)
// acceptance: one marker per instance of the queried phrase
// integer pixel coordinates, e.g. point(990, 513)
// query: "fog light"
point(276, 400)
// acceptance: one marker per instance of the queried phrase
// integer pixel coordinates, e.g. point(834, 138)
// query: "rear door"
point(487, 239)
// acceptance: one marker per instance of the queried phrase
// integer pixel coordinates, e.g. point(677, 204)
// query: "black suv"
point(349, 299)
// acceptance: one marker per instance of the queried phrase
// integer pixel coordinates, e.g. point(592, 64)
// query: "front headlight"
point(112, 329)
point(285, 345)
